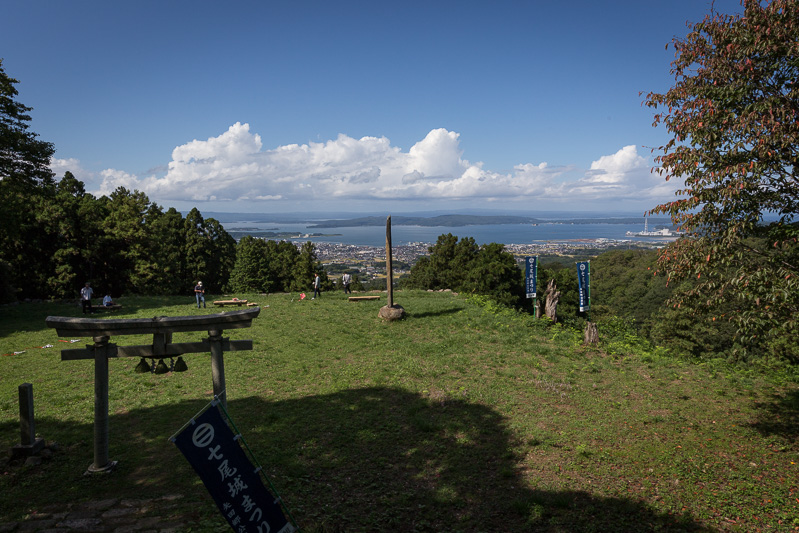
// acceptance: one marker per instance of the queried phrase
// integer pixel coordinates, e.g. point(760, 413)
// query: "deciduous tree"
point(733, 117)
point(462, 265)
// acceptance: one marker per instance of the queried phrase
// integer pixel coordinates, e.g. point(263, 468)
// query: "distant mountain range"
point(338, 220)
point(455, 221)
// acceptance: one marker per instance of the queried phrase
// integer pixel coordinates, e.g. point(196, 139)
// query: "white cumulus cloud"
point(234, 166)
point(623, 175)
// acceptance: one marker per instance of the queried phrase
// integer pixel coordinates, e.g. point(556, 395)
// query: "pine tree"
point(25, 176)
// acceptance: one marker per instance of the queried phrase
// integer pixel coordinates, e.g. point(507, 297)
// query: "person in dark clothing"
point(199, 294)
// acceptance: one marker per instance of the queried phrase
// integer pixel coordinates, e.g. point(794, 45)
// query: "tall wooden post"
point(390, 311)
point(389, 265)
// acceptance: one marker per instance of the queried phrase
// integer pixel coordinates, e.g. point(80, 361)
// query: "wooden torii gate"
point(161, 329)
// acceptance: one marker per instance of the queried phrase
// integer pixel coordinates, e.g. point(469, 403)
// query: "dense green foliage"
point(125, 244)
point(276, 266)
point(24, 174)
point(55, 236)
point(630, 299)
point(463, 266)
point(210, 251)
point(628, 294)
point(733, 115)
point(24, 158)
point(625, 284)
point(122, 244)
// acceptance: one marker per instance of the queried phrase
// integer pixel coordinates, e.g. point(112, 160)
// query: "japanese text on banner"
point(233, 482)
point(531, 275)
point(583, 284)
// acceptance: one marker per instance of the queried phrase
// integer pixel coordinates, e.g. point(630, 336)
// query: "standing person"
point(345, 280)
point(86, 297)
point(199, 294)
point(317, 287)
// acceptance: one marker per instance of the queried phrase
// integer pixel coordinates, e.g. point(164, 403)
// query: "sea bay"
point(482, 233)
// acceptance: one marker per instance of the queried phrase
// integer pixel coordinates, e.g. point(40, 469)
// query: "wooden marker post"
point(29, 444)
point(390, 311)
point(389, 265)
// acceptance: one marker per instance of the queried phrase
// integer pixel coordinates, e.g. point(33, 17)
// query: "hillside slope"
point(462, 417)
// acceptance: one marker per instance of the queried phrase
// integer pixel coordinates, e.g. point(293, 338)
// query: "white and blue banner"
point(234, 483)
point(531, 275)
point(584, 284)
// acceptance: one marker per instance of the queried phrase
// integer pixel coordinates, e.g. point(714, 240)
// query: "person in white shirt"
point(345, 280)
point(86, 298)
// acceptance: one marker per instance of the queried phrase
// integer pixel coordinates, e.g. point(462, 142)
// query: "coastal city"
point(369, 261)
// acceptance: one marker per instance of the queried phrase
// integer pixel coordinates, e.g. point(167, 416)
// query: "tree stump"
point(590, 334)
point(551, 299)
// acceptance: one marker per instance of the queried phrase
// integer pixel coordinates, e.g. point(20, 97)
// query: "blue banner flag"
point(531, 275)
point(235, 485)
point(584, 284)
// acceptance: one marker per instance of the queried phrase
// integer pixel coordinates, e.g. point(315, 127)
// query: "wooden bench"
point(230, 302)
point(361, 298)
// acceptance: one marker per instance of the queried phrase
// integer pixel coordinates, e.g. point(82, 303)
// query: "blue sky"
point(352, 106)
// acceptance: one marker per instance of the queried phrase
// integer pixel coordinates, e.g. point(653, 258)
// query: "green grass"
point(461, 417)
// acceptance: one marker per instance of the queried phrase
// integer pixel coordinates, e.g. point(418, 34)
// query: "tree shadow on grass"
point(780, 416)
point(438, 312)
point(372, 459)
point(31, 317)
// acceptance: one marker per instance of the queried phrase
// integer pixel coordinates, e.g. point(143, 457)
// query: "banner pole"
point(589, 291)
point(260, 469)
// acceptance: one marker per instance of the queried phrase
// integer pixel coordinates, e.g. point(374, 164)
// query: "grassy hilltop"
point(462, 417)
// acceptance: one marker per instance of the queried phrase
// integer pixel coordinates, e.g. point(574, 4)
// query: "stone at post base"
point(26, 450)
point(107, 469)
point(391, 313)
